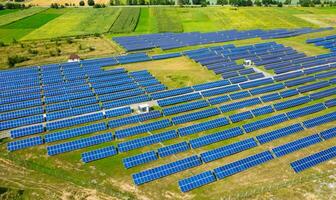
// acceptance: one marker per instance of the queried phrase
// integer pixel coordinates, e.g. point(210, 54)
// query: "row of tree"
point(13, 6)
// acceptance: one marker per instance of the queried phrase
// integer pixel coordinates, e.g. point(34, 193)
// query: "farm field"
point(48, 36)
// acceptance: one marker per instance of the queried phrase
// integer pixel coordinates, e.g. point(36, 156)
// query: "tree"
point(82, 3)
point(257, 3)
point(288, 2)
point(2, 7)
point(279, 4)
point(91, 2)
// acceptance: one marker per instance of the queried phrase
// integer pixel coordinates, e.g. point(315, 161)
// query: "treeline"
point(13, 6)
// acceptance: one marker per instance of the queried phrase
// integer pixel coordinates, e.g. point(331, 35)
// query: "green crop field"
point(127, 21)
point(31, 174)
point(10, 17)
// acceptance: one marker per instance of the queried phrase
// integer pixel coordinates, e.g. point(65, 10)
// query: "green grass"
point(167, 21)
point(77, 22)
point(7, 11)
point(32, 22)
point(20, 14)
point(126, 21)
point(147, 21)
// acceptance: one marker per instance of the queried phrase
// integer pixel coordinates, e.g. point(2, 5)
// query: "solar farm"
point(256, 120)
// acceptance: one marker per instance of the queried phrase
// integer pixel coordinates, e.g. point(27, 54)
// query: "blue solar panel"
point(142, 128)
point(278, 133)
point(262, 110)
point(78, 144)
point(21, 122)
point(145, 141)
point(24, 143)
point(324, 93)
point(329, 133)
point(264, 123)
point(195, 128)
point(118, 112)
point(179, 99)
point(20, 113)
point(173, 149)
point(215, 137)
point(165, 170)
point(269, 88)
point(270, 97)
point(99, 154)
point(314, 159)
point(330, 103)
point(320, 120)
point(139, 159)
point(211, 85)
point(195, 116)
point(222, 90)
point(313, 86)
point(62, 135)
point(74, 121)
point(243, 164)
point(256, 83)
point(30, 130)
point(241, 116)
point(169, 93)
point(239, 95)
point(306, 110)
point(185, 107)
point(219, 99)
point(299, 81)
point(296, 145)
point(291, 103)
point(227, 150)
point(240, 104)
point(288, 93)
point(196, 181)
point(134, 119)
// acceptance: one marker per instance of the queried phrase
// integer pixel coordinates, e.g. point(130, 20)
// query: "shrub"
point(13, 60)
point(2, 7)
point(2, 44)
point(82, 3)
point(91, 2)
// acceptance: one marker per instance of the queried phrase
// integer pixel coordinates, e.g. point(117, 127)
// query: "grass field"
point(126, 21)
point(10, 17)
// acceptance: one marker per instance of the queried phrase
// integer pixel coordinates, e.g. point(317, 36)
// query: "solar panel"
point(278, 133)
point(306, 110)
point(134, 119)
point(242, 165)
point(24, 143)
point(221, 90)
point(215, 137)
point(320, 120)
point(241, 116)
point(227, 150)
point(288, 93)
point(146, 141)
point(127, 132)
point(179, 99)
point(185, 107)
point(195, 116)
point(262, 110)
point(196, 181)
point(314, 159)
point(270, 97)
point(173, 149)
point(211, 85)
point(118, 112)
point(165, 170)
point(264, 123)
point(169, 93)
point(239, 95)
point(296, 145)
point(30, 130)
point(240, 104)
point(62, 135)
point(98, 154)
point(139, 159)
point(329, 133)
point(291, 103)
point(195, 128)
point(219, 99)
point(268, 88)
point(78, 144)
point(330, 103)
point(256, 83)
point(313, 86)
point(323, 93)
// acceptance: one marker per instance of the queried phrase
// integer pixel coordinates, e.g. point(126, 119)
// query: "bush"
point(2, 7)
point(99, 5)
point(2, 44)
point(82, 3)
point(13, 60)
point(14, 6)
point(279, 4)
point(91, 2)
point(54, 5)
